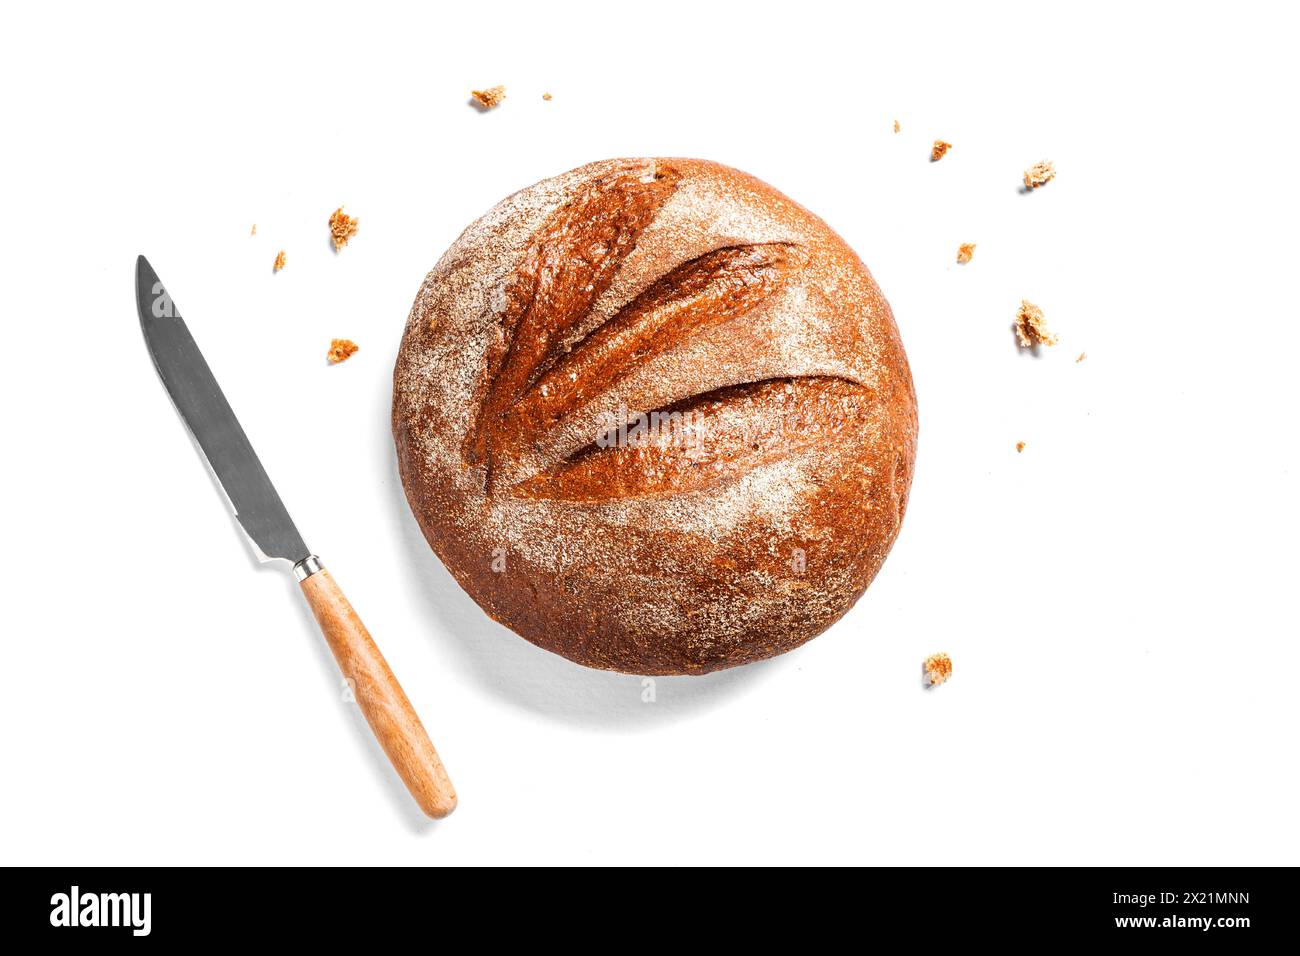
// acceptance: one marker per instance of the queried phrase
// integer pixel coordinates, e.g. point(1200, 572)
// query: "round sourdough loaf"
point(655, 417)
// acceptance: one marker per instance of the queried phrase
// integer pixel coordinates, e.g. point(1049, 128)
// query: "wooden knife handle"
point(389, 713)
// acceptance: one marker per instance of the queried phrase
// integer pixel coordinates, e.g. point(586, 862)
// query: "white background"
point(1119, 600)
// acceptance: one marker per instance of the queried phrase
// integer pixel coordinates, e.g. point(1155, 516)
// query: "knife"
point(262, 515)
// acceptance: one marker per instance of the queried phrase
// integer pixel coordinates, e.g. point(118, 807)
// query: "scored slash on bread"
point(705, 292)
point(570, 261)
point(552, 379)
point(713, 438)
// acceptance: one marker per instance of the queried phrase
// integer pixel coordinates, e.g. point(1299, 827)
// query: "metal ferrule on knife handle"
point(307, 567)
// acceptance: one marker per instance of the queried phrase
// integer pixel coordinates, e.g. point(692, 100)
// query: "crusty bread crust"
point(767, 498)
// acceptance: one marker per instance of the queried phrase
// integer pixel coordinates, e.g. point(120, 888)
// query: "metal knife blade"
point(213, 424)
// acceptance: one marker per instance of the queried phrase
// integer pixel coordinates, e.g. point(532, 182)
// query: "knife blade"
point(260, 512)
point(208, 416)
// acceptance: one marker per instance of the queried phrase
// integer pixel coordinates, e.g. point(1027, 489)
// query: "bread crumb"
point(341, 350)
point(546, 96)
point(342, 228)
point(939, 148)
point(1038, 174)
point(896, 126)
point(279, 261)
point(490, 97)
point(1031, 327)
point(254, 232)
point(965, 251)
point(938, 668)
point(1020, 446)
point(1082, 356)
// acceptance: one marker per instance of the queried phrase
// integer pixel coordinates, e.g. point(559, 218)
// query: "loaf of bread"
point(655, 417)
